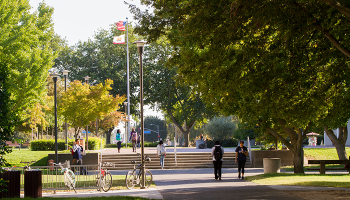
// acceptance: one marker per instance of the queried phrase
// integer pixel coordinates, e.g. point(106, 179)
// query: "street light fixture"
point(126, 132)
point(54, 75)
point(158, 130)
point(87, 131)
point(65, 74)
point(140, 44)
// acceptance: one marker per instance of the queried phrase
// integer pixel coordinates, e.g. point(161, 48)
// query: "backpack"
point(134, 136)
point(217, 153)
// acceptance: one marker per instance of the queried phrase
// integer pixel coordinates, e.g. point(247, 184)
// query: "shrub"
point(223, 142)
point(49, 145)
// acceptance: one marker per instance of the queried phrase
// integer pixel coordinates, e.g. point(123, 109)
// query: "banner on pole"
point(119, 39)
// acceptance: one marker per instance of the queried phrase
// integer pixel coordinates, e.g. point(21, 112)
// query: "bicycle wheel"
point(69, 179)
point(106, 181)
point(148, 179)
point(130, 180)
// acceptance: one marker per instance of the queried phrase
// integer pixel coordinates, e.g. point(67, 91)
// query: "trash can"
point(32, 184)
point(13, 186)
point(271, 165)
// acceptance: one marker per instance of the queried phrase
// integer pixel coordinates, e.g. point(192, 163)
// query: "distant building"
point(328, 142)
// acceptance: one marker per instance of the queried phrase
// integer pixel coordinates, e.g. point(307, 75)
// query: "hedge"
point(147, 144)
point(223, 142)
point(49, 145)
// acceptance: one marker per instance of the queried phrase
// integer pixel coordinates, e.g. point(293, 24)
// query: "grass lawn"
point(318, 180)
point(26, 155)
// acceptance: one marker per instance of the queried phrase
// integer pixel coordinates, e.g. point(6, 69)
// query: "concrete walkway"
point(197, 183)
point(200, 184)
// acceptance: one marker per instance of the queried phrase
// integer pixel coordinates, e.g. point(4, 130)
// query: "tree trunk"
point(298, 161)
point(339, 142)
point(108, 136)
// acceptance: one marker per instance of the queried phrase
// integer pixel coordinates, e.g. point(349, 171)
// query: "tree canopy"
point(282, 64)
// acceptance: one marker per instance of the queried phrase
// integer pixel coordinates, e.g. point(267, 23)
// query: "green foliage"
point(220, 128)
point(49, 145)
point(224, 142)
point(153, 136)
point(147, 144)
point(244, 130)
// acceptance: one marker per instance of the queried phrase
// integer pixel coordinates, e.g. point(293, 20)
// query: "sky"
point(79, 19)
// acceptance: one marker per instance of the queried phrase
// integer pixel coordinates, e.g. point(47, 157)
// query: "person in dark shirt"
point(241, 157)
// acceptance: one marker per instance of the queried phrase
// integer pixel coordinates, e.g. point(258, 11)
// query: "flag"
point(121, 25)
point(119, 39)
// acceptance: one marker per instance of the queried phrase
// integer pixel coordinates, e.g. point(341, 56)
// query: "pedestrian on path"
point(241, 157)
point(133, 138)
point(217, 152)
point(119, 140)
point(161, 153)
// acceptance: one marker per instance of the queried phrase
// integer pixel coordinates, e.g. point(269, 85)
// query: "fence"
point(53, 179)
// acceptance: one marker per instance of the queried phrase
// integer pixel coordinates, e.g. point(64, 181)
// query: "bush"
point(147, 144)
point(223, 142)
point(49, 145)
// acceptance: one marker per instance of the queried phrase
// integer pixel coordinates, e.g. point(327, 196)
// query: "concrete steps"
point(184, 160)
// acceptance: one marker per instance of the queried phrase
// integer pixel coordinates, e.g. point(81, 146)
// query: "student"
point(119, 139)
point(77, 154)
point(217, 152)
point(133, 138)
point(161, 153)
point(241, 157)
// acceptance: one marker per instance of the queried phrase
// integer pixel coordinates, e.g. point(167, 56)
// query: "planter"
point(271, 165)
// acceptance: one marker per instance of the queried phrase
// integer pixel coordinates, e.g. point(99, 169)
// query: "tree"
point(182, 105)
point(101, 60)
point(153, 136)
point(268, 62)
point(82, 104)
point(220, 128)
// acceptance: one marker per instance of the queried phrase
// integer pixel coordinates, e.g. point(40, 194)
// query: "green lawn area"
point(323, 153)
point(318, 180)
point(26, 155)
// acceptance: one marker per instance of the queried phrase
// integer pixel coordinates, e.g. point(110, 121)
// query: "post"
point(55, 93)
point(127, 79)
point(65, 74)
point(126, 132)
point(87, 131)
point(140, 44)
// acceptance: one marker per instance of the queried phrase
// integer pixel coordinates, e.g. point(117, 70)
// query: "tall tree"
point(82, 104)
point(182, 105)
point(275, 62)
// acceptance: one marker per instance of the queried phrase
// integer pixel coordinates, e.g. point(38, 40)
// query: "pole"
point(127, 79)
point(66, 124)
point(87, 131)
point(142, 124)
point(55, 93)
point(126, 133)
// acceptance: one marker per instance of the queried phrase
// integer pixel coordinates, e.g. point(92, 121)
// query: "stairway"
point(184, 160)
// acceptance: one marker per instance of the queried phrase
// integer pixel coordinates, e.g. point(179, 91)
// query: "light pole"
point(65, 74)
point(87, 131)
point(158, 130)
point(126, 132)
point(54, 75)
point(140, 44)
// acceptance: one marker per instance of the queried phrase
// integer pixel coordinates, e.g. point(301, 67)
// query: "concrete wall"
point(286, 157)
point(88, 159)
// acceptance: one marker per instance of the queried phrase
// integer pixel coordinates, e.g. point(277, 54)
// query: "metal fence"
point(53, 179)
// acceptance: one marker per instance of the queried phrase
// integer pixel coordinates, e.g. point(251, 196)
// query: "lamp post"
point(87, 131)
point(65, 74)
point(157, 129)
point(54, 75)
point(140, 44)
point(126, 132)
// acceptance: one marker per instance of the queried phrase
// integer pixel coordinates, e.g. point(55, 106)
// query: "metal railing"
point(53, 179)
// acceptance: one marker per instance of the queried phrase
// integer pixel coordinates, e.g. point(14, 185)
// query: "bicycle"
point(104, 177)
point(134, 177)
point(69, 177)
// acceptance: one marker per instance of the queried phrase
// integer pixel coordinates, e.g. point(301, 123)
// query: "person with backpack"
point(133, 138)
point(217, 152)
point(241, 157)
point(119, 140)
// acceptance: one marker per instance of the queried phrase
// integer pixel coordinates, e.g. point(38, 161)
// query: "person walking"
point(217, 152)
point(138, 140)
point(133, 138)
point(161, 153)
point(241, 157)
point(119, 140)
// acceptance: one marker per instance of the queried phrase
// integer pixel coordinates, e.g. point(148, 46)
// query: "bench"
point(323, 163)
